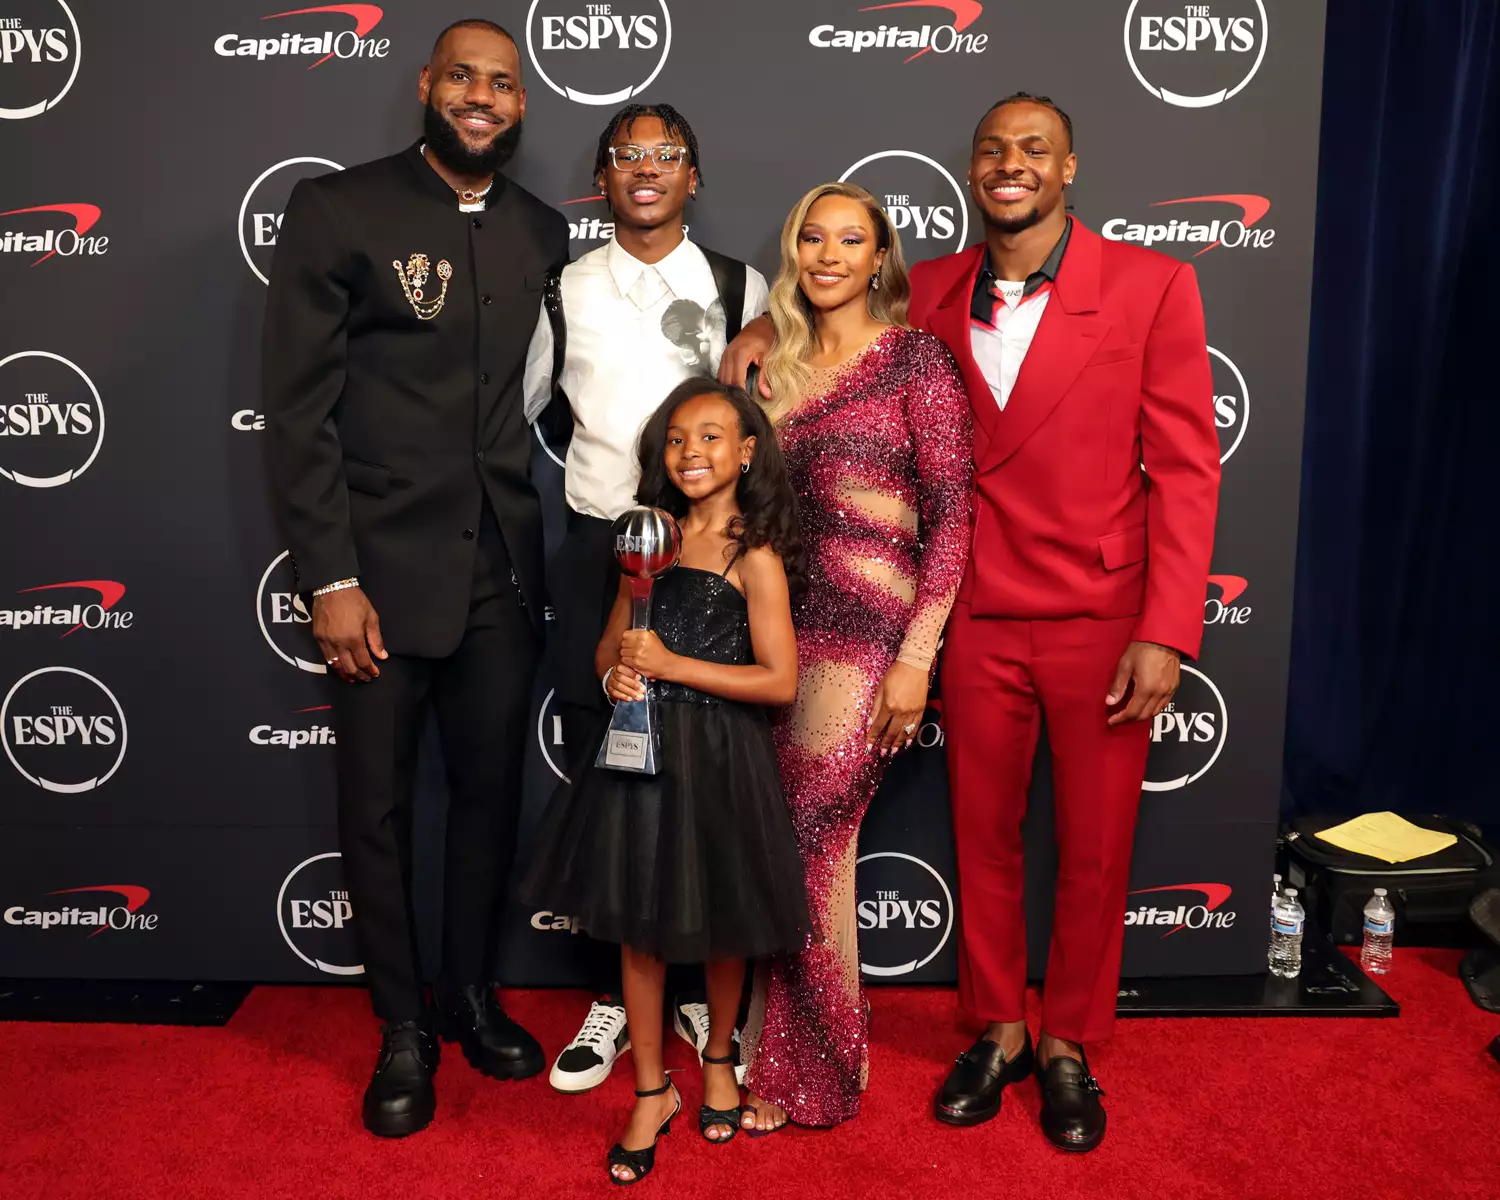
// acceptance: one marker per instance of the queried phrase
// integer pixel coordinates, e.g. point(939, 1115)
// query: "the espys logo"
point(315, 916)
point(39, 56)
point(1231, 403)
point(1188, 735)
point(307, 40)
point(313, 734)
point(1220, 608)
point(63, 730)
point(284, 620)
point(905, 913)
point(1206, 915)
point(951, 38)
point(923, 200)
point(549, 735)
point(1199, 237)
point(38, 230)
point(51, 419)
point(101, 919)
point(265, 204)
point(1195, 55)
point(611, 51)
point(67, 613)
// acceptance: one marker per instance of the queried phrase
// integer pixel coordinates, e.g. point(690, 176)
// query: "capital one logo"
point(598, 53)
point(1213, 228)
point(905, 913)
point(101, 918)
point(314, 734)
point(1231, 403)
point(954, 37)
point(315, 915)
point(39, 56)
point(265, 204)
point(1187, 736)
point(1177, 913)
point(921, 198)
point(312, 36)
point(68, 612)
point(1195, 55)
point(63, 730)
point(1220, 608)
point(284, 620)
point(48, 229)
point(51, 419)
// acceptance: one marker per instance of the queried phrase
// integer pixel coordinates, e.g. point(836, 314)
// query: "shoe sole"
point(1077, 1147)
point(400, 1127)
point(586, 1081)
point(948, 1117)
point(522, 1068)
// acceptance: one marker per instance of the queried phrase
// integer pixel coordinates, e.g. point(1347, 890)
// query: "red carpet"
point(268, 1107)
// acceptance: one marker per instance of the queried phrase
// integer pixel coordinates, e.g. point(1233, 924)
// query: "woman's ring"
point(907, 729)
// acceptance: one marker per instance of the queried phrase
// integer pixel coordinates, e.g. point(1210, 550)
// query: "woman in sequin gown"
point(875, 425)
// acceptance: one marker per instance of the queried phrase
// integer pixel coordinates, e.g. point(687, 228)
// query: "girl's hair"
point(768, 505)
point(791, 312)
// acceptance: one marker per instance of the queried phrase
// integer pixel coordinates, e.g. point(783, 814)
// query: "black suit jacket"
point(388, 431)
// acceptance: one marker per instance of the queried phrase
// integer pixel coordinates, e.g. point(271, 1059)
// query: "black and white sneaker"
point(586, 1061)
point(691, 1022)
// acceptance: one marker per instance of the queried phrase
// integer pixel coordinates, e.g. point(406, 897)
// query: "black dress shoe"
point(971, 1093)
point(1072, 1117)
point(491, 1041)
point(400, 1099)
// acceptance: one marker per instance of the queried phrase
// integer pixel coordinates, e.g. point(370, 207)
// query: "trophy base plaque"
point(633, 741)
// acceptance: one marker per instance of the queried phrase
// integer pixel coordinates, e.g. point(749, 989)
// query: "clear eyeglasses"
point(666, 158)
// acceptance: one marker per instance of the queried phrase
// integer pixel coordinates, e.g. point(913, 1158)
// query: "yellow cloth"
point(1386, 836)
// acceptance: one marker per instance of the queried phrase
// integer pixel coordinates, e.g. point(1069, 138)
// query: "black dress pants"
point(481, 694)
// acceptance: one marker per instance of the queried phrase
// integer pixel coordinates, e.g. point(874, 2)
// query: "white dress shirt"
point(1004, 317)
point(635, 331)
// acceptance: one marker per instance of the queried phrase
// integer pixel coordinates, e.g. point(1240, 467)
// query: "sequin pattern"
point(880, 453)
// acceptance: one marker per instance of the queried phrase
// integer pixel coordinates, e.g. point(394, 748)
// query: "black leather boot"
point(400, 1099)
point(971, 1093)
point(493, 1043)
point(1072, 1117)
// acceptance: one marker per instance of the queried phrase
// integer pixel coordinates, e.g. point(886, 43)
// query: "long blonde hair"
point(786, 365)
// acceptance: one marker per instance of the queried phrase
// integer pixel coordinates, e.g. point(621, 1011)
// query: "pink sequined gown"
point(880, 453)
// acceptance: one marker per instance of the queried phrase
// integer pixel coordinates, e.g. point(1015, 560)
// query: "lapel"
point(1069, 332)
point(950, 324)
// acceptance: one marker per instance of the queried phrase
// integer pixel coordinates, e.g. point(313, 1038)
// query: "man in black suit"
point(403, 295)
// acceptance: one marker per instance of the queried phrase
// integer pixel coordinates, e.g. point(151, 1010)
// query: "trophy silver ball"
point(647, 542)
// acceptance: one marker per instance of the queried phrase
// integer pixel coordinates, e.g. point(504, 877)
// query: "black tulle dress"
point(699, 861)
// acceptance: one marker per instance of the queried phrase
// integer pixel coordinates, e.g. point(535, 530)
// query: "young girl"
point(698, 863)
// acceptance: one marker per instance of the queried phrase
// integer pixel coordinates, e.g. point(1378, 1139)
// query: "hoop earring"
point(744, 468)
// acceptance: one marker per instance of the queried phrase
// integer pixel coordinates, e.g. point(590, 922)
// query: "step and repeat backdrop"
point(166, 798)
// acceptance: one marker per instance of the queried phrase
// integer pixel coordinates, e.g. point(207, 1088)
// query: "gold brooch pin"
point(413, 279)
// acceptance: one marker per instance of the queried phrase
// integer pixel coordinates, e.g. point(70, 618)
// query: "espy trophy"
point(647, 543)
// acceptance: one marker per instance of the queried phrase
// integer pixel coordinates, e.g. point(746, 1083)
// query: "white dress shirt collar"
point(678, 269)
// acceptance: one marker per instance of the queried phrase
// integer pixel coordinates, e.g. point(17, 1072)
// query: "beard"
point(1014, 224)
point(450, 149)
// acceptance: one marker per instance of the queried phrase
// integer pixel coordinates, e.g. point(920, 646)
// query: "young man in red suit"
point(1096, 480)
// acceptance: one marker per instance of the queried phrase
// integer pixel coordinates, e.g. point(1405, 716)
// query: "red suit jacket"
point(1066, 521)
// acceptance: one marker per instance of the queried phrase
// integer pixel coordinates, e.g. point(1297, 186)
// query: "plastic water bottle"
point(1286, 935)
point(1380, 931)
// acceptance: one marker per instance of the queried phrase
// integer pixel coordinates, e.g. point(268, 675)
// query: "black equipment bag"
point(1431, 895)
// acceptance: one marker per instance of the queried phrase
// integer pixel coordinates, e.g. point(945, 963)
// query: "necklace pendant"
point(468, 197)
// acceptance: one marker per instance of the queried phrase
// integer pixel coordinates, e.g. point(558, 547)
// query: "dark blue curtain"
point(1395, 679)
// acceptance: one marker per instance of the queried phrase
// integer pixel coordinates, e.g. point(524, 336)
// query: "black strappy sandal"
point(709, 1117)
point(641, 1161)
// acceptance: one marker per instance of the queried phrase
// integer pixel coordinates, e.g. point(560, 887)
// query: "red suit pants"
point(1000, 678)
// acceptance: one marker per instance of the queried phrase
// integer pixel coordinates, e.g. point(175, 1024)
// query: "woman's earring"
point(744, 467)
point(875, 282)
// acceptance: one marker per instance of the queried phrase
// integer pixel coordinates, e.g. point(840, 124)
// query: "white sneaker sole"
point(574, 1083)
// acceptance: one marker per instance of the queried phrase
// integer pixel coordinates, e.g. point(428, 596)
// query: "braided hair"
point(672, 120)
point(1029, 98)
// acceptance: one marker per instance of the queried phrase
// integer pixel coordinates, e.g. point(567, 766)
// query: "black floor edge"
point(128, 1001)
